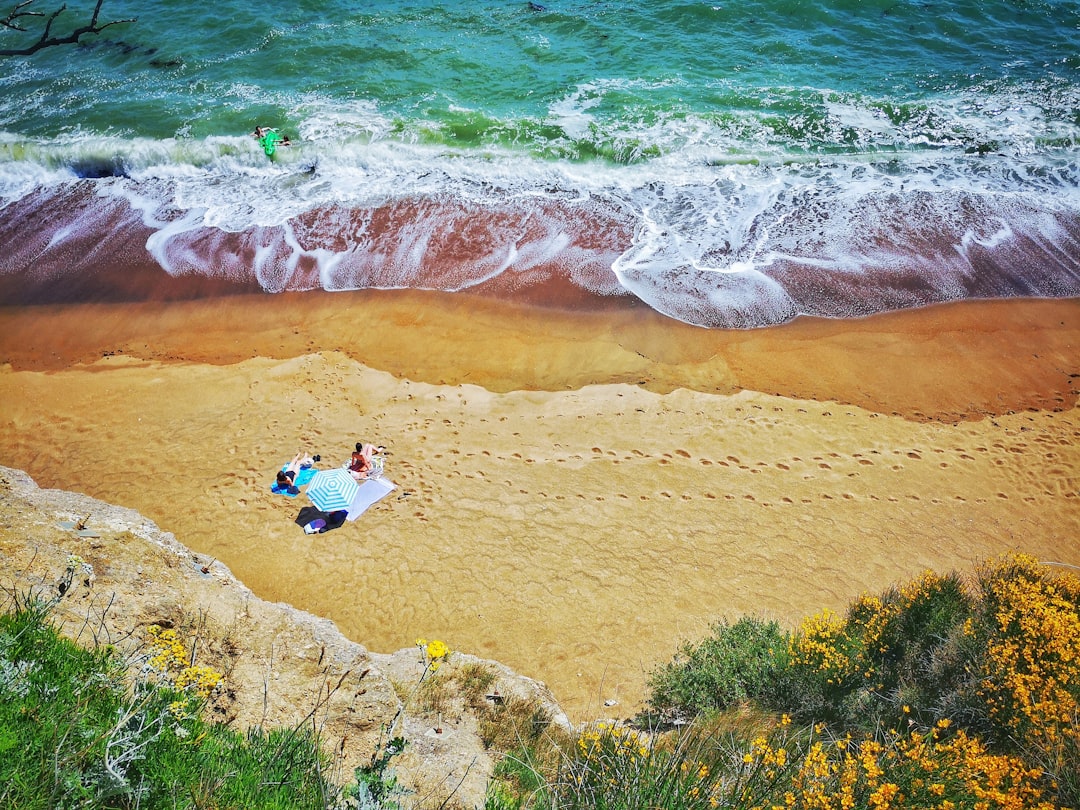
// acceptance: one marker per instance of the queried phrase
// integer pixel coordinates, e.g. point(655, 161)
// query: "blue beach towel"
point(303, 478)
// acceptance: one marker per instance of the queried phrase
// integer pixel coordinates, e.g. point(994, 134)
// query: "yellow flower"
point(437, 649)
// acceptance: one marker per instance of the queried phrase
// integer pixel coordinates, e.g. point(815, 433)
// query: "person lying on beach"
point(284, 483)
point(362, 463)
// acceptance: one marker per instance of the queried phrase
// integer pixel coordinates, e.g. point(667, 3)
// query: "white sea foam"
point(720, 230)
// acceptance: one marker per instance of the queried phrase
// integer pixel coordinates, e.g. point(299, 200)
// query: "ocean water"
point(728, 164)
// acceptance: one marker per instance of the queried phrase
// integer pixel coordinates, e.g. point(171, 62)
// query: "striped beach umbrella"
point(331, 490)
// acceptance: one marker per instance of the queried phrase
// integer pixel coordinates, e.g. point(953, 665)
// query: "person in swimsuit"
point(362, 463)
point(285, 482)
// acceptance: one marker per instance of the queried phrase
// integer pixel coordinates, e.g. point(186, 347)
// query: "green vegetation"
point(76, 732)
point(940, 693)
point(738, 662)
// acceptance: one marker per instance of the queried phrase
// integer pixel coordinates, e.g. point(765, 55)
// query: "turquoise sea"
point(728, 164)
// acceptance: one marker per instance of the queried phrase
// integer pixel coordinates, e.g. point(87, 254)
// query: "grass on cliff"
point(944, 692)
point(75, 731)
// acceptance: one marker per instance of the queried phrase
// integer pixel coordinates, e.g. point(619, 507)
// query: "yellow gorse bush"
point(935, 771)
point(847, 651)
point(1030, 678)
point(817, 645)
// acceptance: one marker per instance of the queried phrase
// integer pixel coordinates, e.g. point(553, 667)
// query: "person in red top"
point(362, 463)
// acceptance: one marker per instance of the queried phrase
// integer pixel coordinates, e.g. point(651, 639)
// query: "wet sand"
point(578, 493)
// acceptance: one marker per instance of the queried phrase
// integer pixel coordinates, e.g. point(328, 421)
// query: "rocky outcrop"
point(113, 574)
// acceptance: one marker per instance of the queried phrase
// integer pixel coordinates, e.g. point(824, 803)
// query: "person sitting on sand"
point(362, 463)
point(285, 484)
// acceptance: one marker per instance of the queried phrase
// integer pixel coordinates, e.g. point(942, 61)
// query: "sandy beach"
point(577, 493)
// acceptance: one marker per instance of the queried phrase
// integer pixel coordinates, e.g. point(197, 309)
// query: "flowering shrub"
point(883, 653)
point(1029, 678)
point(788, 767)
point(169, 659)
point(934, 770)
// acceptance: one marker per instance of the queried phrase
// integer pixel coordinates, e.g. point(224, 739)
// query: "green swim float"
point(269, 142)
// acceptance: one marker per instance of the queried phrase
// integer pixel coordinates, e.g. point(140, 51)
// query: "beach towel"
point(303, 478)
point(315, 521)
point(371, 490)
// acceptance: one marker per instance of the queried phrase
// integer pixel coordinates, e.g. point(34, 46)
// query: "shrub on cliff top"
point(737, 663)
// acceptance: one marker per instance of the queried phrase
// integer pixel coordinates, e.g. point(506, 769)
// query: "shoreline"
point(577, 492)
point(889, 362)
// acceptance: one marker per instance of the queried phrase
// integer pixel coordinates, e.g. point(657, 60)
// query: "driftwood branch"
point(15, 21)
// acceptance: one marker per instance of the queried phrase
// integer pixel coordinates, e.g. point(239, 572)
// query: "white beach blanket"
point(371, 490)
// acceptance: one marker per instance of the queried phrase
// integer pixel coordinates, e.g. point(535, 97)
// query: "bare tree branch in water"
point(17, 16)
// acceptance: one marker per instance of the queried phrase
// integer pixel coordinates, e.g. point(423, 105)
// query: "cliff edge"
point(282, 666)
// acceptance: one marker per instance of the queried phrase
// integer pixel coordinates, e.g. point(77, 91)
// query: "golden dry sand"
point(577, 494)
